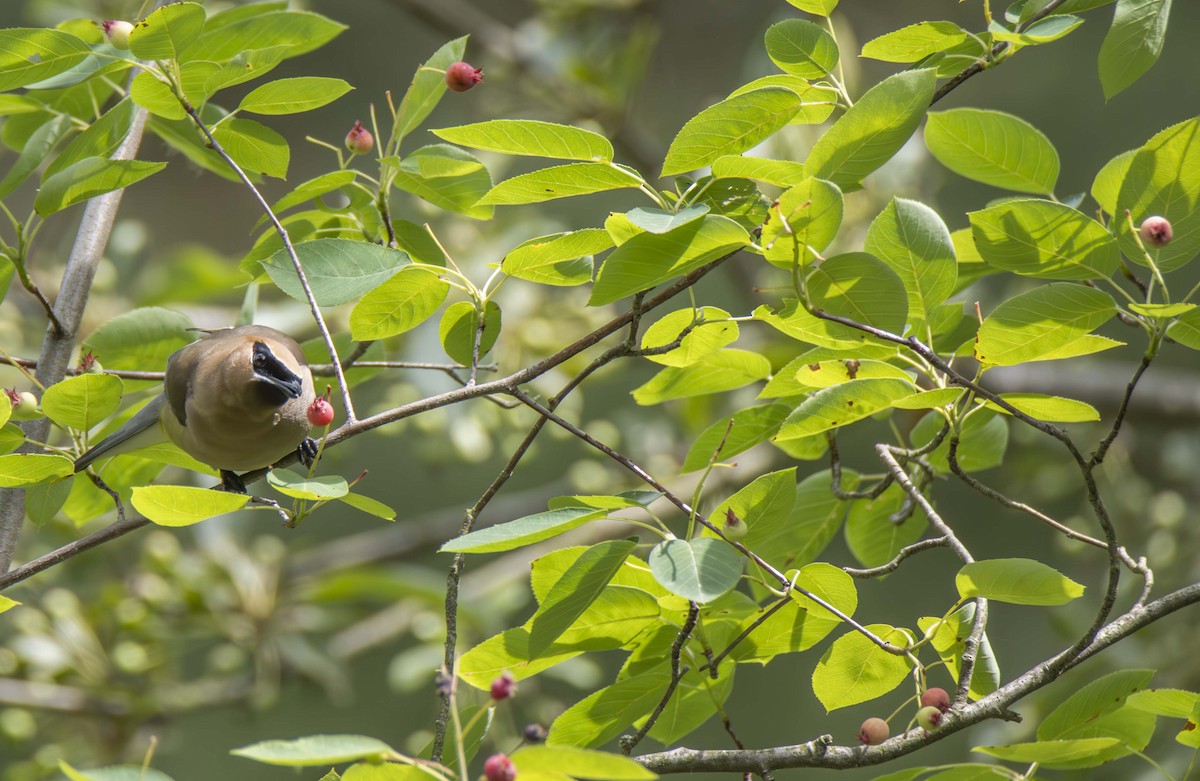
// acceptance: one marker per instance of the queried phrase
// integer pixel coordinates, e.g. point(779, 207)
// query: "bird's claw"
point(232, 482)
point(307, 451)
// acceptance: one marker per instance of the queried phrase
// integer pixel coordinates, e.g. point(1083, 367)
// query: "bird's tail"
point(139, 431)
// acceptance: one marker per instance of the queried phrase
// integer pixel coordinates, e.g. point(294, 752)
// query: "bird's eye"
point(259, 359)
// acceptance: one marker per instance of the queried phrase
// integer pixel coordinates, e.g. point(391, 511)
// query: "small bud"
point(734, 528)
point(929, 718)
point(1156, 231)
point(24, 404)
point(535, 733)
point(117, 32)
point(320, 412)
point(444, 684)
point(873, 732)
point(937, 697)
point(499, 767)
point(461, 76)
point(504, 687)
point(359, 140)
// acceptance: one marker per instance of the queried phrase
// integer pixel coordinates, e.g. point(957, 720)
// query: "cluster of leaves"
point(869, 332)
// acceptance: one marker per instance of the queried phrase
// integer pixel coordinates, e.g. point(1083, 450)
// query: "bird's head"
point(278, 382)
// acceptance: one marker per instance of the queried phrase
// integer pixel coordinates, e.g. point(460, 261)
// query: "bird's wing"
point(139, 431)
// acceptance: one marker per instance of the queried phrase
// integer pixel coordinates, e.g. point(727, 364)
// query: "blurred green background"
point(237, 631)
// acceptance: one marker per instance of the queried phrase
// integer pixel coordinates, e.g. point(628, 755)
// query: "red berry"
point(873, 732)
point(359, 140)
point(1156, 231)
point(117, 32)
point(320, 412)
point(499, 767)
point(929, 717)
point(937, 697)
point(461, 76)
point(734, 528)
point(504, 687)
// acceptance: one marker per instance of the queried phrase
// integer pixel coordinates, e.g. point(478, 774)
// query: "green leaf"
point(914, 42)
point(311, 190)
point(83, 401)
point(914, 242)
point(578, 763)
point(522, 532)
point(1161, 311)
point(994, 148)
point(764, 506)
point(982, 441)
point(858, 286)
point(1175, 703)
point(167, 31)
point(871, 132)
point(88, 178)
point(402, 303)
point(1133, 43)
point(751, 426)
point(730, 127)
point(841, 405)
point(805, 219)
point(575, 591)
point(295, 32)
point(616, 502)
point(781, 173)
point(561, 181)
point(315, 750)
point(855, 670)
point(800, 536)
point(293, 96)
point(819, 7)
point(721, 371)
point(605, 714)
point(254, 146)
point(29, 55)
point(938, 397)
point(702, 341)
point(337, 270)
point(35, 150)
point(155, 96)
point(177, 505)
point(7, 604)
point(875, 532)
point(802, 623)
point(460, 323)
point(660, 221)
point(100, 139)
point(244, 66)
point(648, 259)
point(829, 372)
point(374, 771)
point(314, 489)
point(1037, 322)
point(562, 259)
point(427, 87)
point(949, 639)
point(699, 570)
point(1164, 180)
point(530, 137)
point(1017, 581)
point(112, 772)
point(697, 699)
point(140, 338)
point(447, 177)
point(801, 48)
point(1186, 330)
point(1079, 713)
point(1044, 239)
point(1051, 753)
point(805, 327)
point(1050, 408)
point(817, 101)
point(1106, 187)
point(368, 505)
point(22, 469)
point(1041, 31)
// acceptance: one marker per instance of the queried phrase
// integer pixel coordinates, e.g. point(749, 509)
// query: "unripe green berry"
point(873, 731)
point(929, 718)
point(24, 405)
point(937, 697)
point(117, 32)
point(734, 528)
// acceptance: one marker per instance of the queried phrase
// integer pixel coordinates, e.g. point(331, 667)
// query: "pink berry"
point(873, 732)
point(499, 767)
point(320, 412)
point(734, 527)
point(117, 32)
point(504, 687)
point(461, 76)
point(1156, 231)
point(937, 697)
point(929, 718)
point(359, 140)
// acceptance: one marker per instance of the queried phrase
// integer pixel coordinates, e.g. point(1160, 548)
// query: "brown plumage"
point(235, 400)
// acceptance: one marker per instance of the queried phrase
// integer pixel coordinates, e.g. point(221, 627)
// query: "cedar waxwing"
point(236, 400)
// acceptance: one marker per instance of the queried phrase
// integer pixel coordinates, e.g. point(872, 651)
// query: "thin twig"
point(1102, 449)
point(891, 566)
point(629, 743)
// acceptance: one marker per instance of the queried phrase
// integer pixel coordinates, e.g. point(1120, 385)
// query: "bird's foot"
point(232, 482)
point(307, 451)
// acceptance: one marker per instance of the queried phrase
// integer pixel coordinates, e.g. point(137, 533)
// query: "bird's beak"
point(274, 372)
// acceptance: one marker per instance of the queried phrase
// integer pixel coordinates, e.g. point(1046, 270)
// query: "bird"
point(236, 399)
